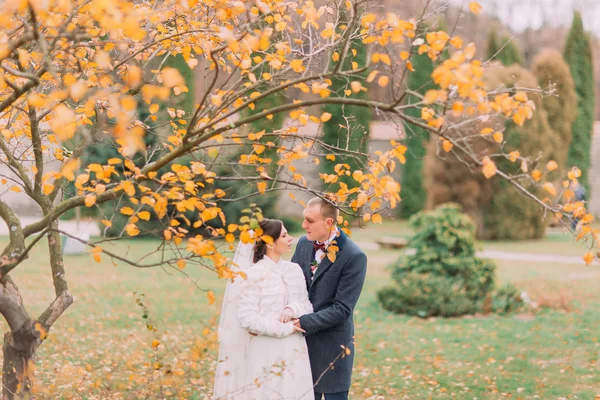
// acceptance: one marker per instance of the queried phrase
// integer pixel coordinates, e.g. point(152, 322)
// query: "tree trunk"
point(17, 372)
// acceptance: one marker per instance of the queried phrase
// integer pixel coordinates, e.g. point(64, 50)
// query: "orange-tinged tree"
point(72, 72)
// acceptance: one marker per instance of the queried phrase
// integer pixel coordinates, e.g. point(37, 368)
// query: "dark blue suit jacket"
point(333, 292)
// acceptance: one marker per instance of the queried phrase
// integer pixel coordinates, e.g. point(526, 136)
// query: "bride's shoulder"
point(256, 271)
point(292, 266)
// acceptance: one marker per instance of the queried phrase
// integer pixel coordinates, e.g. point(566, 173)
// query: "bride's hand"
point(286, 315)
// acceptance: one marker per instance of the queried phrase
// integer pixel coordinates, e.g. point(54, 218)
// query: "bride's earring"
point(270, 247)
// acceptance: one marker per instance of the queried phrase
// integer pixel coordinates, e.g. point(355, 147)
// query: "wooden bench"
point(389, 242)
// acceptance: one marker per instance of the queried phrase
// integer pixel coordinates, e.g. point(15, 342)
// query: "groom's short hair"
point(328, 210)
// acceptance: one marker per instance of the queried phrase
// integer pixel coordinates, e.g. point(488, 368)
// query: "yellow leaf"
point(447, 146)
point(155, 344)
point(48, 188)
point(128, 103)
point(377, 219)
point(325, 117)
point(383, 81)
point(469, 51)
point(134, 76)
point(486, 131)
point(90, 200)
point(267, 239)
point(35, 100)
point(330, 157)
point(128, 188)
point(475, 7)
point(230, 238)
point(78, 90)
point(15, 189)
point(211, 297)
point(427, 113)
point(372, 76)
point(552, 165)
point(331, 253)
point(458, 108)
point(232, 228)
point(145, 215)
point(498, 137)
point(513, 156)
point(216, 100)
point(431, 96)
point(81, 179)
point(127, 211)
point(132, 230)
point(106, 222)
point(297, 65)
point(154, 108)
point(245, 237)
point(588, 258)
point(549, 187)
point(404, 55)
point(536, 175)
point(114, 161)
point(102, 59)
point(457, 42)
point(181, 264)
point(521, 97)
point(366, 217)
point(262, 186)
point(171, 77)
point(489, 168)
point(356, 86)
point(68, 170)
point(518, 118)
point(574, 173)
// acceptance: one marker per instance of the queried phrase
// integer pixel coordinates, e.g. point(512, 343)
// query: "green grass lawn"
point(101, 349)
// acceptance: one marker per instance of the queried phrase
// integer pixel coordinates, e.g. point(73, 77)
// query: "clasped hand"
point(287, 315)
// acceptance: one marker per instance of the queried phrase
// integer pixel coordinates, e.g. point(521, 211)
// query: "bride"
point(262, 355)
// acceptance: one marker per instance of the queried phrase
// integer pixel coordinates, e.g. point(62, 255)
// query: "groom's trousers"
point(332, 396)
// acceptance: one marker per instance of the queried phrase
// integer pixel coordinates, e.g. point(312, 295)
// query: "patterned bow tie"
point(319, 246)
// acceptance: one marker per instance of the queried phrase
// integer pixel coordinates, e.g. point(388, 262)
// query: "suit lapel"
point(326, 263)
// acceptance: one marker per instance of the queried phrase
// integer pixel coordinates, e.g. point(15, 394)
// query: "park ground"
point(102, 347)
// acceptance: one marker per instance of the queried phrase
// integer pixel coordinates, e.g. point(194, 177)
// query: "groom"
point(333, 289)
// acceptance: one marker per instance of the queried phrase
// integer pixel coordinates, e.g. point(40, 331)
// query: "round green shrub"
point(443, 277)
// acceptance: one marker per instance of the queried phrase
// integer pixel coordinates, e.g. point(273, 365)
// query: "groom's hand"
point(297, 326)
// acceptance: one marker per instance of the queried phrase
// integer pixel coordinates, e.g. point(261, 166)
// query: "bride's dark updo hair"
point(270, 227)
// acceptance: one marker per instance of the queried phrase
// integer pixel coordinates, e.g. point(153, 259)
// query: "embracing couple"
point(286, 332)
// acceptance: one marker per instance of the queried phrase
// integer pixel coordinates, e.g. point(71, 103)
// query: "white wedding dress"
point(274, 364)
